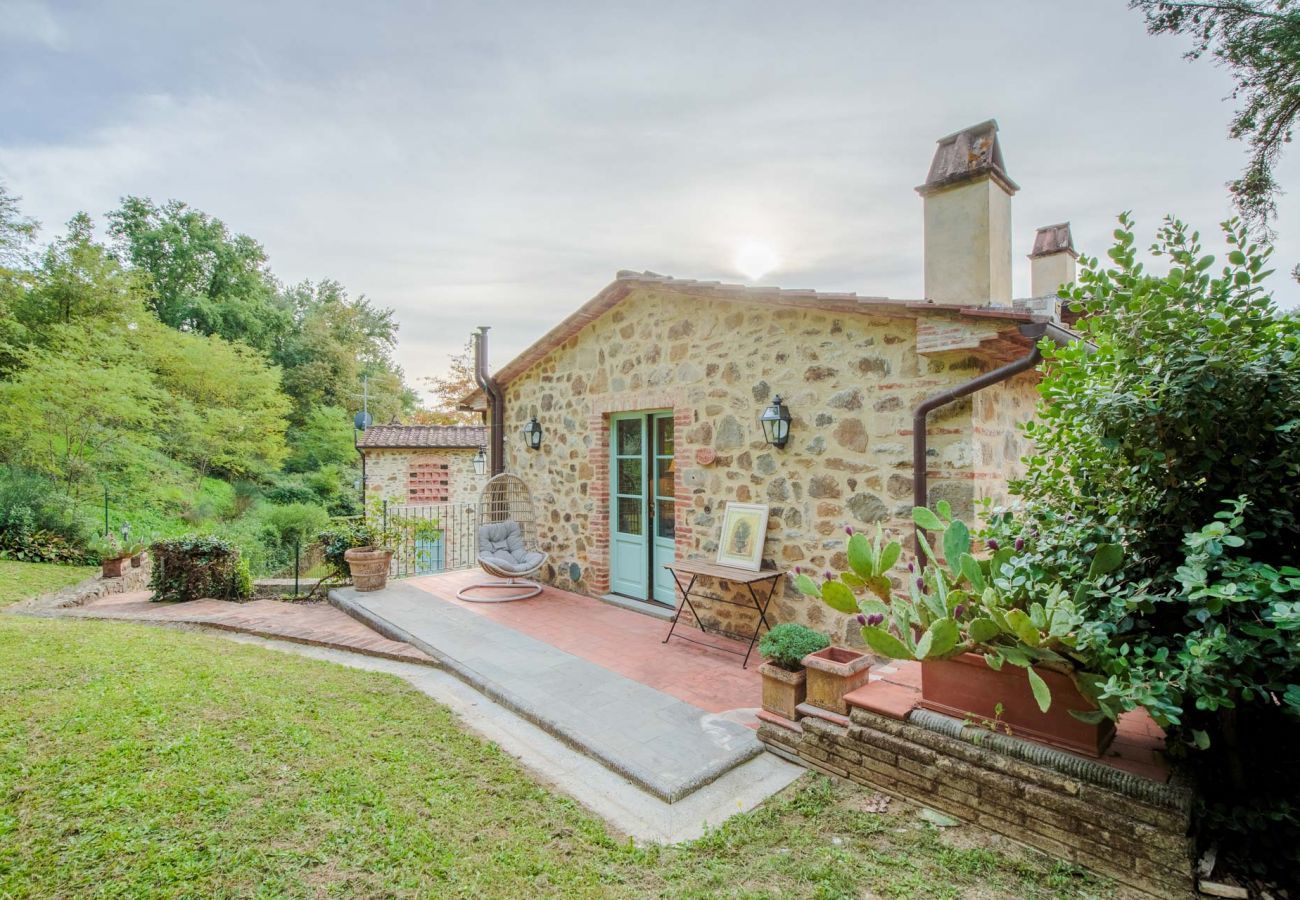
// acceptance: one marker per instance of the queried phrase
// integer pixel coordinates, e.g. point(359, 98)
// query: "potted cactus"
point(965, 619)
point(784, 677)
point(112, 554)
point(136, 551)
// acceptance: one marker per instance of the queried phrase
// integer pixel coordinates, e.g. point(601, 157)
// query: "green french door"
point(643, 518)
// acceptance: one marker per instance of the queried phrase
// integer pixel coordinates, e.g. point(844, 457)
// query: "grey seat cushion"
point(501, 544)
point(529, 562)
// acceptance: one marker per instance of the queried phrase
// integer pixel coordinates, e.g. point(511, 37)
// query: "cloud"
point(26, 21)
point(488, 163)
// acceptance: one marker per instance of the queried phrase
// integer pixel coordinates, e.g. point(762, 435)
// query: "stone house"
point(648, 398)
point(420, 465)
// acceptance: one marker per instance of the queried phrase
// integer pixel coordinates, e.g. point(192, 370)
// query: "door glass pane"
point(664, 436)
point(664, 484)
point(629, 476)
point(629, 515)
point(665, 527)
point(628, 439)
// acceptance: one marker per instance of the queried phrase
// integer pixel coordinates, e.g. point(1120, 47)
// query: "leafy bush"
point(787, 644)
point(37, 520)
point(1179, 437)
point(340, 539)
point(196, 567)
point(288, 489)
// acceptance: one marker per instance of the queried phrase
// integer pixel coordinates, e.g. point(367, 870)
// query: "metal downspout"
point(496, 402)
point(920, 479)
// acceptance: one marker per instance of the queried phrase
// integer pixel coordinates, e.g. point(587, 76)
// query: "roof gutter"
point(920, 477)
point(496, 403)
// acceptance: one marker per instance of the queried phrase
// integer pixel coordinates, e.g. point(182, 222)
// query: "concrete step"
point(663, 745)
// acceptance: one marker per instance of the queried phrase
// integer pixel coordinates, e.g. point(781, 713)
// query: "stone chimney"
point(1052, 262)
point(968, 220)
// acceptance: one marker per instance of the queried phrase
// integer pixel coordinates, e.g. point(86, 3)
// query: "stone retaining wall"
point(92, 588)
point(1127, 828)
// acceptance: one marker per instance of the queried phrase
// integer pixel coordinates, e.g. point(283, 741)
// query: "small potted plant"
point(367, 552)
point(784, 677)
point(136, 551)
point(111, 555)
point(964, 619)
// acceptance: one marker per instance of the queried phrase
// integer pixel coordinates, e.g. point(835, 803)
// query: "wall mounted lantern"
point(480, 462)
point(776, 423)
point(533, 433)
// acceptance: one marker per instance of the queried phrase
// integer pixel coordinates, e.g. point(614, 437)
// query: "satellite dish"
point(361, 421)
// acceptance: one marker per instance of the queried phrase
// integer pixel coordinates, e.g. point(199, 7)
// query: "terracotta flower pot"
point(783, 690)
point(111, 568)
point(834, 672)
point(965, 686)
point(136, 560)
point(369, 567)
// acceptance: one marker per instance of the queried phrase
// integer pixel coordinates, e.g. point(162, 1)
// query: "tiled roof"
point(436, 437)
point(626, 281)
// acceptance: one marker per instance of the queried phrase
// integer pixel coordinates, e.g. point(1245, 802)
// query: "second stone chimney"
point(1052, 262)
point(967, 198)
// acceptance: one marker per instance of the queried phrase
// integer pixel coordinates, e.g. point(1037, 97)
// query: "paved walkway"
point(319, 624)
point(655, 739)
point(620, 641)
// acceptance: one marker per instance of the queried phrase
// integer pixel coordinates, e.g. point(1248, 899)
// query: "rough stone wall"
point(388, 473)
point(1136, 837)
point(1000, 444)
point(850, 379)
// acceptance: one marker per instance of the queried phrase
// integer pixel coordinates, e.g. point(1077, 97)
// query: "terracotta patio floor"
point(625, 642)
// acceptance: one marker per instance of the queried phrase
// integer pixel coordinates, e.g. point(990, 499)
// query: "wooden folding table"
point(697, 568)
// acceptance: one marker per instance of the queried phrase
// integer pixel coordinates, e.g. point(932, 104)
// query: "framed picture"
point(744, 529)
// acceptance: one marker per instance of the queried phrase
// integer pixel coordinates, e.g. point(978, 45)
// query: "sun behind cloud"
point(754, 259)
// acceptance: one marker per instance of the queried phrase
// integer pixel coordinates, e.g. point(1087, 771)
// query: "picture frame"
point(744, 532)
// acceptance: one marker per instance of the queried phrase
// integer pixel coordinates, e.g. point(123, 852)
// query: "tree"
point(1259, 42)
point(452, 387)
point(80, 280)
point(17, 234)
point(325, 439)
point(224, 411)
point(79, 409)
point(202, 278)
point(334, 340)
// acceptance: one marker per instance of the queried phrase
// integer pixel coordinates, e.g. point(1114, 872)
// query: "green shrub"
point(38, 522)
point(786, 645)
point(196, 567)
point(1179, 437)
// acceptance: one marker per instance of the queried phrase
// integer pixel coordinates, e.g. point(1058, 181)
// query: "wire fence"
point(431, 538)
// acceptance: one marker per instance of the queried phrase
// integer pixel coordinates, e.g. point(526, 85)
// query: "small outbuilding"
point(421, 465)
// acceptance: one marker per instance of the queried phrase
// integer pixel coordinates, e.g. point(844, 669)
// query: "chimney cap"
point(966, 155)
point(1053, 239)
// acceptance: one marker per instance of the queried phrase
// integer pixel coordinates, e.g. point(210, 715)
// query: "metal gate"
point(437, 537)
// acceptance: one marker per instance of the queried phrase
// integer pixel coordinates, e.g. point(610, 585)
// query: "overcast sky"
point(496, 163)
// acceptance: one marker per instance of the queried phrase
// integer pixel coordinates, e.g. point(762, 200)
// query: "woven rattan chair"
point(507, 543)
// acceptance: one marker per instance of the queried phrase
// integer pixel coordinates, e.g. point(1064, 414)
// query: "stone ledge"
point(81, 593)
point(1127, 828)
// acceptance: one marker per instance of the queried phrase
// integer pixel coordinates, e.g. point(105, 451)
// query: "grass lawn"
point(20, 580)
point(138, 761)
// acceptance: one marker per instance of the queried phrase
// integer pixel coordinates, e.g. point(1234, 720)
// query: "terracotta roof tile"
point(437, 437)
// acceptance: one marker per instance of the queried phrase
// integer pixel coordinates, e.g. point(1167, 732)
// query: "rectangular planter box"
point(834, 672)
point(965, 686)
point(783, 690)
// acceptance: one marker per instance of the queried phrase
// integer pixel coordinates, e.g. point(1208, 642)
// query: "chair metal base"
point(523, 590)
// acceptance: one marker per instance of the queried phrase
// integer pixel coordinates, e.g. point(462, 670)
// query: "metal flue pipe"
point(496, 403)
